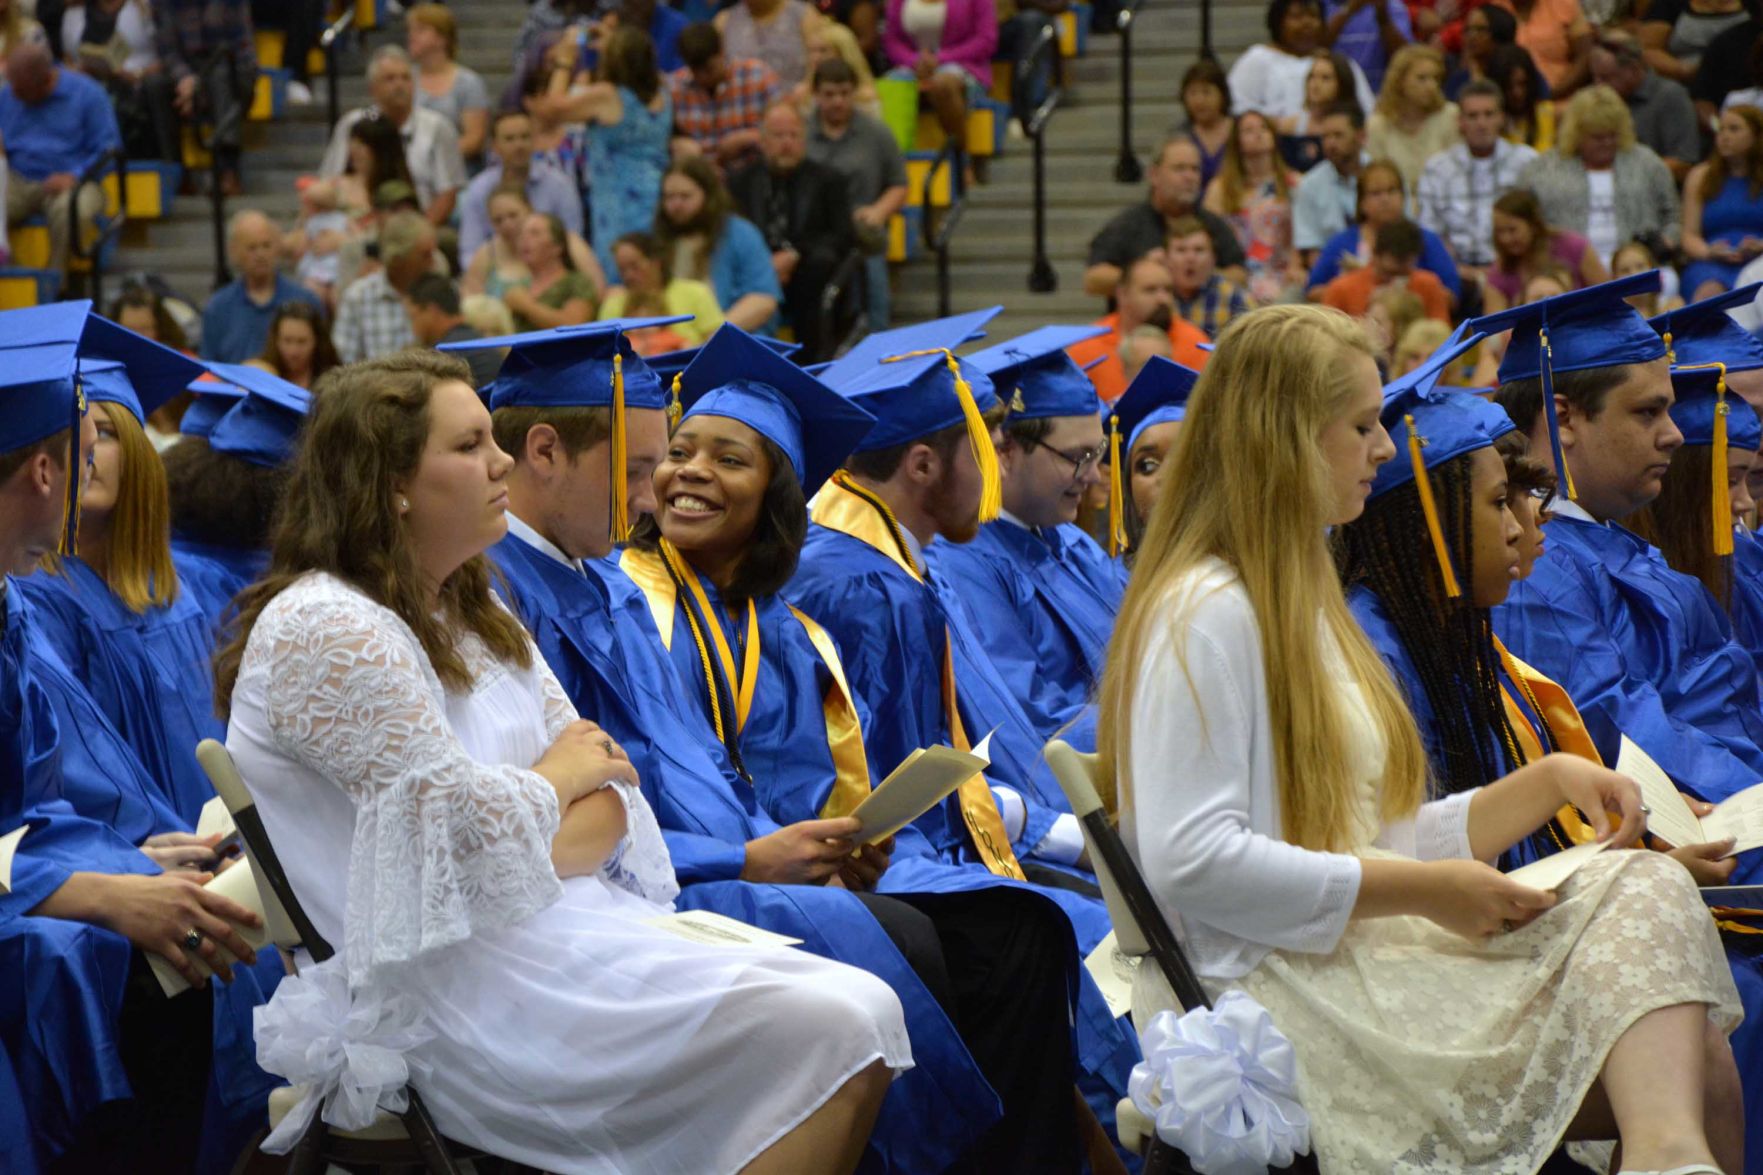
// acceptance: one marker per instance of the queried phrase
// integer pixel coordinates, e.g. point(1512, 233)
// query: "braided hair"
point(1450, 641)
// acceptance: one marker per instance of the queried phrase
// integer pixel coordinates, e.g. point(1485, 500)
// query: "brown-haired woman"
point(1525, 245)
point(1723, 205)
point(298, 345)
point(428, 784)
point(1253, 192)
point(697, 227)
point(1206, 119)
point(557, 293)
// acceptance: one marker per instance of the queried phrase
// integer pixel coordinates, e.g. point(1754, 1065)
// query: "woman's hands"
point(1708, 863)
point(1476, 900)
point(1611, 802)
point(182, 851)
point(582, 760)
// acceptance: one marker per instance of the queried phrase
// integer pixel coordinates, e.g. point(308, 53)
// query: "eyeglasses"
point(1085, 460)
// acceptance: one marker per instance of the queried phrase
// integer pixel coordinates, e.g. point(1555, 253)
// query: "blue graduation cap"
point(738, 376)
point(1434, 425)
point(1576, 331)
point(1158, 394)
point(264, 426)
point(1707, 415)
point(588, 366)
point(1705, 333)
point(1036, 378)
point(882, 344)
point(923, 388)
point(108, 382)
point(214, 399)
point(670, 363)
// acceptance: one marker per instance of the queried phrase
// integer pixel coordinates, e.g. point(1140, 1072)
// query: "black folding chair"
point(1141, 932)
point(408, 1139)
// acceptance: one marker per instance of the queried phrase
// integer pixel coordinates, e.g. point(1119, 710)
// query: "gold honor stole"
point(844, 735)
point(848, 508)
point(1549, 702)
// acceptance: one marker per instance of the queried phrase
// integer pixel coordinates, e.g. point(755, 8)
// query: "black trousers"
point(801, 304)
point(301, 21)
point(1000, 961)
point(167, 1048)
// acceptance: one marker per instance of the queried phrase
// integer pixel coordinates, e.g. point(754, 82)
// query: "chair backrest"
point(283, 916)
point(1139, 925)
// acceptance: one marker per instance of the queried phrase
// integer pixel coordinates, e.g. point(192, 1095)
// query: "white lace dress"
point(556, 1028)
point(1418, 1050)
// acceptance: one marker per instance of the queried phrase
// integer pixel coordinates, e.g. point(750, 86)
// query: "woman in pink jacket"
point(946, 46)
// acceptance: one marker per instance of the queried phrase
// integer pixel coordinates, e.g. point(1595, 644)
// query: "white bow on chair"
point(1221, 1085)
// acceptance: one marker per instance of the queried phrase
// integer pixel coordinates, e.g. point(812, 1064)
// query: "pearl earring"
point(404, 505)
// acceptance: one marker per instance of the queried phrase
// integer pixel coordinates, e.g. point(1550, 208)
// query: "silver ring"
point(1646, 811)
point(192, 939)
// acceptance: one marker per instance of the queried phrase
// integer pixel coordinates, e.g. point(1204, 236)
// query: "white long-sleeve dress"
point(555, 1027)
point(1418, 1050)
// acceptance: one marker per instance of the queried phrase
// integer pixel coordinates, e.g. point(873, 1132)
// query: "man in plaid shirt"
point(1201, 296)
point(1459, 185)
point(718, 103)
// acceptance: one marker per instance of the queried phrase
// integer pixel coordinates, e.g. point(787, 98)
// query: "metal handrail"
point(937, 240)
point(216, 197)
point(1041, 59)
point(849, 277)
point(1127, 169)
point(327, 41)
point(113, 160)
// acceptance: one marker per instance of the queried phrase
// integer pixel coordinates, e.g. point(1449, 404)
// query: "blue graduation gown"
point(150, 673)
point(1044, 603)
point(17, 1155)
point(213, 575)
point(1644, 651)
point(1747, 594)
point(615, 676)
point(1747, 970)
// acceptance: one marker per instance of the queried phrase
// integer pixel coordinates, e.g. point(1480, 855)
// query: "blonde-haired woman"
point(115, 612)
point(827, 41)
point(1600, 183)
point(1273, 788)
point(1412, 121)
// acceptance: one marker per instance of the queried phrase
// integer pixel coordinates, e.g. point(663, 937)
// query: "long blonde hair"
point(1273, 383)
point(1391, 102)
point(137, 564)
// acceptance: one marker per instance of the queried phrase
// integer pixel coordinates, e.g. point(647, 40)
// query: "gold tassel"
point(674, 410)
point(68, 543)
point(1116, 491)
point(1670, 353)
point(1430, 510)
point(621, 507)
point(1721, 503)
point(979, 437)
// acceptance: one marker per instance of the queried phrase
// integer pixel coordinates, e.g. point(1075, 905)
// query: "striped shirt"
point(1213, 305)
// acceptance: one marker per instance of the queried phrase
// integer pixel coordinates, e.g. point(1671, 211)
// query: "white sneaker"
point(299, 94)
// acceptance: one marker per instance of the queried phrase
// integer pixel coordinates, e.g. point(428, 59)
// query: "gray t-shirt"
point(466, 93)
point(866, 155)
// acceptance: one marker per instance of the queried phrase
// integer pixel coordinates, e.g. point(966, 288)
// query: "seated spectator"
point(1300, 134)
point(862, 150)
point(301, 22)
point(947, 49)
point(1723, 206)
point(1327, 198)
point(433, 305)
point(374, 157)
point(1394, 252)
point(802, 209)
point(488, 316)
point(1676, 33)
point(1253, 193)
point(55, 123)
point(371, 320)
point(1136, 349)
point(627, 119)
point(1634, 258)
point(1380, 203)
point(1664, 117)
point(317, 239)
point(1271, 76)
point(1459, 185)
point(1416, 345)
point(496, 266)
point(147, 314)
point(647, 289)
point(1413, 120)
point(1548, 282)
point(831, 41)
point(1731, 62)
point(1202, 296)
point(442, 84)
point(17, 28)
point(1393, 312)
point(114, 43)
point(1369, 33)
point(556, 141)
point(1558, 38)
point(1485, 29)
point(556, 293)
point(235, 323)
point(697, 224)
point(1146, 297)
point(546, 19)
point(718, 101)
point(663, 23)
point(1136, 231)
point(1525, 244)
point(208, 55)
point(773, 31)
point(431, 145)
point(299, 347)
point(546, 188)
point(1602, 184)
point(1530, 117)
point(1206, 118)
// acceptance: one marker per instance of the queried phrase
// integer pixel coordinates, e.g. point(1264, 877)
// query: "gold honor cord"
point(1429, 509)
point(69, 541)
point(844, 481)
point(739, 687)
point(1555, 452)
point(1116, 491)
point(979, 437)
point(621, 507)
point(674, 408)
point(1563, 727)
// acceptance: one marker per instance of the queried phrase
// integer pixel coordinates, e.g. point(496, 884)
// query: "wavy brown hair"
point(369, 426)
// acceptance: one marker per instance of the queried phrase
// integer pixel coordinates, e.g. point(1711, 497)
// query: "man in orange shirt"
point(1146, 295)
point(1394, 251)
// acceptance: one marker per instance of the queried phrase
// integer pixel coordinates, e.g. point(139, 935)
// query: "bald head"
point(783, 138)
point(30, 71)
point(253, 243)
